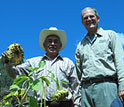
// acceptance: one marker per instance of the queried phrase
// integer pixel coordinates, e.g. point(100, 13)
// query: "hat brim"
point(60, 33)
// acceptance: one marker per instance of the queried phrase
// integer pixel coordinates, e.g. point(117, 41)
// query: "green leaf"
point(9, 95)
point(42, 64)
point(36, 68)
point(46, 80)
point(20, 79)
point(14, 87)
point(58, 84)
point(16, 93)
point(22, 91)
point(52, 75)
point(65, 82)
point(33, 102)
point(30, 83)
point(37, 85)
point(30, 73)
point(30, 68)
point(7, 103)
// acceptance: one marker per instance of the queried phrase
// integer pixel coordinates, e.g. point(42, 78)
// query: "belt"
point(59, 104)
point(99, 80)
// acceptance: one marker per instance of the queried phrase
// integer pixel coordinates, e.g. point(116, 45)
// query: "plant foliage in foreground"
point(23, 83)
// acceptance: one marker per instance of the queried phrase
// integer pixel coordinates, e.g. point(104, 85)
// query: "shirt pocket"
point(101, 49)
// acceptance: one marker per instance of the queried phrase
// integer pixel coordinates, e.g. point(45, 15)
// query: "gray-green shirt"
point(102, 57)
point(63, 69)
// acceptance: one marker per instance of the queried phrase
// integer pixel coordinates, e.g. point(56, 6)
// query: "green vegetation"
point(21, 86)
point(5, 80)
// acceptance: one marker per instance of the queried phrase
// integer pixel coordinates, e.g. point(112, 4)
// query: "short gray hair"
point(95, 11)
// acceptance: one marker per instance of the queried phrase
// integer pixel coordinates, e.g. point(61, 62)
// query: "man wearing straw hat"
point(52, 41)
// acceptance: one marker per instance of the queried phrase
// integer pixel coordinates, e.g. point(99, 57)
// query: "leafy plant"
point(22, 84)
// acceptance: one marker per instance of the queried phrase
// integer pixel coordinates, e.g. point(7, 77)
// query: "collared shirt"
point(103, 57)
point(63, 69)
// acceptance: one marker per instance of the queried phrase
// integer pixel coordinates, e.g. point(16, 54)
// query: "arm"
point(78, 63)
point(118, 60)
point(74, 86)
point(13, 71)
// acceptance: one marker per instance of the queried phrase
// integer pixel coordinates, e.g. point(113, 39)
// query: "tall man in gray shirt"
point(52, 41)
point(99, 62)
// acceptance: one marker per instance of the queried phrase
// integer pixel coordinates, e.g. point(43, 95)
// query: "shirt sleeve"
point(118, 58)
point(74, 86)
point(14, 71)
point(78, 63)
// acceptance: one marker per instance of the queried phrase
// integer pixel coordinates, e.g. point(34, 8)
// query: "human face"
point(90, 20)
point(52, 45)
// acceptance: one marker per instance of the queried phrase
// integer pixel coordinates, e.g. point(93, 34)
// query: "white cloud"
point(121, 36)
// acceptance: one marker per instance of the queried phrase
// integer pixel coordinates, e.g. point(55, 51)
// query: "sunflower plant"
point(15, 54)
point(18, 93)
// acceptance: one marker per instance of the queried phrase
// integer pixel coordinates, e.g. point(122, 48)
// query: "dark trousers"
point(59, 104)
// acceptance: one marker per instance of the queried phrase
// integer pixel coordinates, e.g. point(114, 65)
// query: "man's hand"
point(121, 95)
point(14, 54)
point(4, 55)
point(60, 95)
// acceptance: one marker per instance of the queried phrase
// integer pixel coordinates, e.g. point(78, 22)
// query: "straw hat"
point(52, 31)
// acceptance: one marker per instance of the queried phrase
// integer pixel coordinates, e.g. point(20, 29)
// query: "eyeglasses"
point(90, 16)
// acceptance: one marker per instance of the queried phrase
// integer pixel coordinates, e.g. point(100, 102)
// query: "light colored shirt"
point(104, 57)
point(63, 69)
point(92, 38)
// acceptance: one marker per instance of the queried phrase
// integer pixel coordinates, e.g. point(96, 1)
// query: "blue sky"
point(22, 20)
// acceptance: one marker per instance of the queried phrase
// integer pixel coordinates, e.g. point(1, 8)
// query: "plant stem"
point(24, 96)
point(44, 96)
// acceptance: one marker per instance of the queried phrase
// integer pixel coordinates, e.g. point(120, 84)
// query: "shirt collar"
point(47, 58)
point(99, 33)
